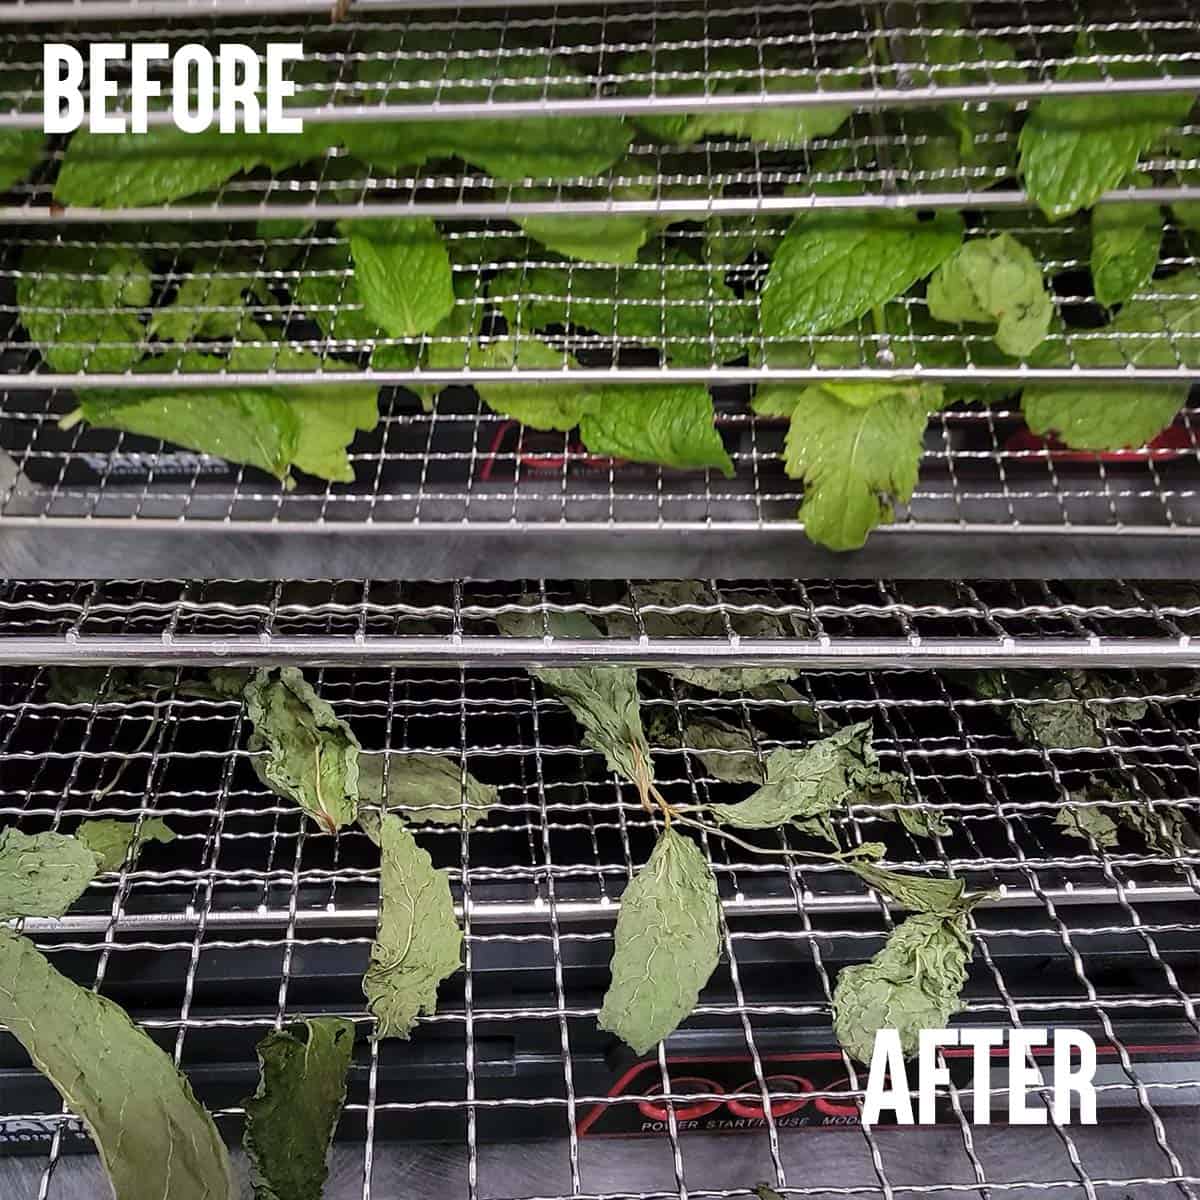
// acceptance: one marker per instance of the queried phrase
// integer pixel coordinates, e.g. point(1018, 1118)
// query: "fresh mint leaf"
point(1076, 148)
point(402, 273)
point(42, 874)
point(670, 424)
point(667, 944)
point(129, 170)
point(731, 71)
point(973, 136)
point(1125, 243)
point(154, 1137)
point(478, 64)
point(994, 279)
point(832, 268)
point(112, 841)
point(604, 700)
point(418, 942)
point(311, 755)
point(206, 306)
point(682, 307)
point(291, 1118)
point(254, 427)
point(1150, 332)
point(328, 292)
point(858, 449)
point(425, 787)
point(20, 151)
point(913, 983)
point(540, 406)
point(81, 307)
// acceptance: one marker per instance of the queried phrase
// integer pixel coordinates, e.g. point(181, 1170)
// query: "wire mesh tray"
point(817, 623)
point(251, 917)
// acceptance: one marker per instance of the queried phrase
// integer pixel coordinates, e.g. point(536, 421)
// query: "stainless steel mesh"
point(719, 623)
point(247, 889)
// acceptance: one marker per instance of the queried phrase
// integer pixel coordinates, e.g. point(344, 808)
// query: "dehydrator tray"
point(461, 491)
point(252, 917)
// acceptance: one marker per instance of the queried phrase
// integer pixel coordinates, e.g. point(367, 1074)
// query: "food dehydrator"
point(1064, 578)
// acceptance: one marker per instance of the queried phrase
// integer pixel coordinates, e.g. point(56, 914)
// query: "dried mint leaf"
point(418, 942)
point(1056, 711)
point(913, 983)
point(111, 841)
point(667, 944)
point(1089, 824)
point(154, 1137)
point(726, 751)
point(291, 1118)
point(428, 787)
point(311, 755)
point(604, 700)
point(42, 874)
point(808, 786)
point(918, 892)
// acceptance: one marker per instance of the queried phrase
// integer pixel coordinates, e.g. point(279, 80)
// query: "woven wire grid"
point(724, 622)
point(251, 901)
point(732, 57)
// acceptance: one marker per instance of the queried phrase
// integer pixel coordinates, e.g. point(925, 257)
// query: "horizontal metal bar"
point(616, 106)
point(18, 12)
point(54, 214)
point(115, 547)
point(204, 380)
point(563, 911)
point(475, 651)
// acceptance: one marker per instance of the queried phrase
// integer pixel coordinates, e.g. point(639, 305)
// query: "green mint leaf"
point(291, 1118)
point(418, 942)
point(994, 279)
point(913, 983)
point(667, 944)
point(671, 425)
point(239, 425)
point(734, 70)
point(1125, 244)
point(402, 273)
point(604, 700)
point(1147, 333)
point(43, 874)
point(106, 170)
point(473, 65)
point(857, 460)
point(154, 1137)
point(20, 151)
point(111, 841)
point(666, 300)
point(917, 892)
point(726, 751)
point(311, 755)
point(91, 685)
point(328, 292)
point(206, 306)
point(957, 136)
point(1074, 149)
point(273, 429)
point(427, 788)
point(1088, 823)
point(832, 268)
point(540, 406)
point(91, 298)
